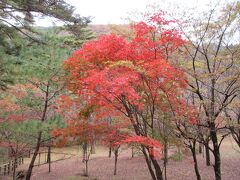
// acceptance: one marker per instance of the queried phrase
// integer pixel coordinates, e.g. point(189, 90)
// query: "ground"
point(101, 167)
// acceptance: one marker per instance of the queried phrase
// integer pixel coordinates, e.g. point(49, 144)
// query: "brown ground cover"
point(101, 167)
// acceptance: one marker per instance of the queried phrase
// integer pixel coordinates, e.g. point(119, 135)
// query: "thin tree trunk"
point(148, 163)
point(207, 152)
point(216, 153)
point(165, 153)
point(149, 159)
point(165, 160)
point(86, 168)
point(165, 171)
point(49, 158)
point(87, 153)
point(93, 149)
point(193, 150)
point(110, 152)
point(31, 165)
point(158, 171)
point(157, 168)
point(14, 168)
point(203, 154)
point(213, 134)
point(238, 134)
point(200, 148)
point(39, 139)
point(132, 152)
point(115, 161)
point(84, 146)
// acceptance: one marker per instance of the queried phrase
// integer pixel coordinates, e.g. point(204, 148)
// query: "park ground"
point(101, 167)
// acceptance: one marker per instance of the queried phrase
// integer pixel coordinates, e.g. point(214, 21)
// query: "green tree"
point(19, 15)
point(17, 18)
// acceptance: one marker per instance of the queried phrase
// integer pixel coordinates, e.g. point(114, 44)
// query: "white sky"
point(115, 11)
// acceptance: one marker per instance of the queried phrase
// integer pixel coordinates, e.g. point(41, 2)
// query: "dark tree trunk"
point(157, 168)
point(49, 158)
point(86, 168)
point(193, 150)
point(31, 165)
point(115, 161)
point(165, 153)
point(87, 153)
point(207, 152)
point(39, 139)
point(216, 153)
point(132, 152)
point(14, 168)
point(84, 146)
point(213, 134)
point(148, 161)
point(110, 152)
point(236, 131)
point(93, 149)
point(200, 148)
point(165, 160)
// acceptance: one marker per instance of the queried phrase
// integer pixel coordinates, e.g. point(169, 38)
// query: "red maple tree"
point(132, 77)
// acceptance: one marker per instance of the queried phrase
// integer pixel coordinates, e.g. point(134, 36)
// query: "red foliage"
point(112, 72)
point(80, 131)
point(12, 109)
point(100, 73)
point(114, 137)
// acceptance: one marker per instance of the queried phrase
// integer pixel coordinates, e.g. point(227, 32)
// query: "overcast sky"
point(115, 11)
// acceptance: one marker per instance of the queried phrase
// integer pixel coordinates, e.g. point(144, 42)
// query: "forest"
point(156, 98)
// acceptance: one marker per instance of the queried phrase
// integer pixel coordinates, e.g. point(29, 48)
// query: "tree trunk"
point(207, 152)
point(110, 152)
point(149, 159)
point(216, 153)
point(193, 150)
point(236, 131)
point(86, 155)
point(84, 146)
point(132, 152)
point(165, 159)
point(93, 149)
point(158, 171)
point(200, 148)
point(14, 168)
point(148, 163)
point(49, 158)
point(86, 168)
point(165, 153)
point(157, 168)
point(31, 165)
point(115, 162)
point(39, 139)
